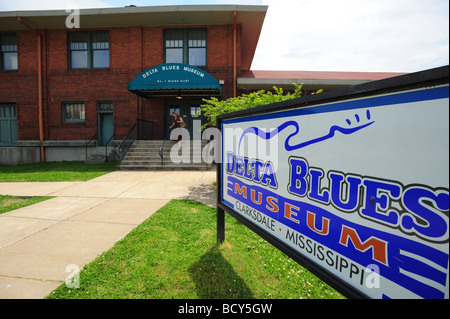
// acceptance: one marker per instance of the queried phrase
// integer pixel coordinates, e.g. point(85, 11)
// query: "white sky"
point(326, 35)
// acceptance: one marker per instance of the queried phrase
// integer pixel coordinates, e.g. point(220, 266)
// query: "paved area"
point(40, 245)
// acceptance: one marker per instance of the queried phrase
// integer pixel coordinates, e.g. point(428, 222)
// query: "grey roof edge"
point(251, 81)
point(127, 10)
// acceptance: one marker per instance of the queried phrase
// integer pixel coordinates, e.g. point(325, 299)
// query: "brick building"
point(62, 87)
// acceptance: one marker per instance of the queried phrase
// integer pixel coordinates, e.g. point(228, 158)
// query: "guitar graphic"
point(352, 127)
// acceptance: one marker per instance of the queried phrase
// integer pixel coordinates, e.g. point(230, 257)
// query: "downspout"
point(234, 54)
point(41, 120)
point(39, 54)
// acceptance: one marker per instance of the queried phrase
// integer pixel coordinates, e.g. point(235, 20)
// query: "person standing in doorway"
point(177, 122)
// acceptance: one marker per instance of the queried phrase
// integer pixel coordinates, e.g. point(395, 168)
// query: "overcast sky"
point(326, 35)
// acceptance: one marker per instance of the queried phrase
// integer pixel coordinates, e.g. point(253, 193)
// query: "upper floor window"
point(185, 46)
point(8, 53)
point(88, 50)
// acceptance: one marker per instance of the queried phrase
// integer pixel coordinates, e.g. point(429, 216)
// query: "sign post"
point(353, 183)
point(220, 225)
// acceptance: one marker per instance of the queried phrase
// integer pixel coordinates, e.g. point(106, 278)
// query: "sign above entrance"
point(173, 79)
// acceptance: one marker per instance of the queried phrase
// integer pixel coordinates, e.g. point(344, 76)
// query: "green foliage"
point(213, 107)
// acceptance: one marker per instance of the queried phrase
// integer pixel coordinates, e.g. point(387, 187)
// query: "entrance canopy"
point(175, 80)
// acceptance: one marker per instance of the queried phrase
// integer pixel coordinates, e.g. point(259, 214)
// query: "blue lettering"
point(247, 172)
point(230, 163)
point(269, 176)
point(351, 191)
point(415, 209)
point(299, 170)
point(428, 209)
point(239, 169)
point(254, 170)
point(257, 166)
point(314, 193)
point(377, 201)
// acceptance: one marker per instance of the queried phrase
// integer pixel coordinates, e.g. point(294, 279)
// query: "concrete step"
point(144, 155)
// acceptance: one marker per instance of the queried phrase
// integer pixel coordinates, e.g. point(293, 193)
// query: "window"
point(105, 107)
point(174, 46)
point(73, 112)
point(185, 46)
point(174, 108)
point(8, 124)
point(8, 52)
point(196, 110)
point(197, 47)
point(100, 50)
point(88, 50)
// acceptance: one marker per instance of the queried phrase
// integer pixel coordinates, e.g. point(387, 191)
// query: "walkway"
point(39, 242)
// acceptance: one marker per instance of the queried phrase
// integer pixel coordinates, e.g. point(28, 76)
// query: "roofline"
point(311, 80)
point(145, 9)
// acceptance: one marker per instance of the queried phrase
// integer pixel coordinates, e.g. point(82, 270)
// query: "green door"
point(8, 124)
point(190, 111)
point(105, 123)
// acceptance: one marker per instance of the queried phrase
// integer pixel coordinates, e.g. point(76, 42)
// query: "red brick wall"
point(20, 86)
point(132, 50)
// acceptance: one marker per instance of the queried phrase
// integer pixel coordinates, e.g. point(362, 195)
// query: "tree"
point(213, 107)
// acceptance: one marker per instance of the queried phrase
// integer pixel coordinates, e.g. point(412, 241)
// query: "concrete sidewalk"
point(39, 242)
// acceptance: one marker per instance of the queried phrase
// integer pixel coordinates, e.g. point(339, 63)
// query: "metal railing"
point(126, 143)
point(161, 149)
point(141, 130)
point(106, 147)
point(87, 144)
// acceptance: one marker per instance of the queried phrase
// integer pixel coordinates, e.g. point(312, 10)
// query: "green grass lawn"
point(54, 171)
point(9, 203)
point(174, 254)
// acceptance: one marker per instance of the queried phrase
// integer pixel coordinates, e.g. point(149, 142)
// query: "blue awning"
point(174, 79)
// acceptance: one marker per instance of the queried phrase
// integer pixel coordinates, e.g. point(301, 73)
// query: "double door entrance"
point(190, 111)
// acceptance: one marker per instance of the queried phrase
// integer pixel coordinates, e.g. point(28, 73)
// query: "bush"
point(213, 107)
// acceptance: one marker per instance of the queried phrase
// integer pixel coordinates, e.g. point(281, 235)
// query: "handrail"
point(106, 148)
point(137, 132)
point(89, 142)
point(123, 147)
point(161, 149)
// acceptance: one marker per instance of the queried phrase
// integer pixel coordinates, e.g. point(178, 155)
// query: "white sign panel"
point(359, 187)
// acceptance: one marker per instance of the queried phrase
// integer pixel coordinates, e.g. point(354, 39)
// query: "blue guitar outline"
point(335, 128)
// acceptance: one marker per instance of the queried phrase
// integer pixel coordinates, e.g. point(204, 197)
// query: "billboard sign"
point(353, 186)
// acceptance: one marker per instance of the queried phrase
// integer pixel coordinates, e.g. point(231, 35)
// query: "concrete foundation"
point(27, 152)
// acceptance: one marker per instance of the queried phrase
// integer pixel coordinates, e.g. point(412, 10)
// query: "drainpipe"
point(39, 54)
point(234, 54)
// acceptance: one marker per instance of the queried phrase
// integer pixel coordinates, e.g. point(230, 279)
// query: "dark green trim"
point(186, 44)
point(89, 50)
